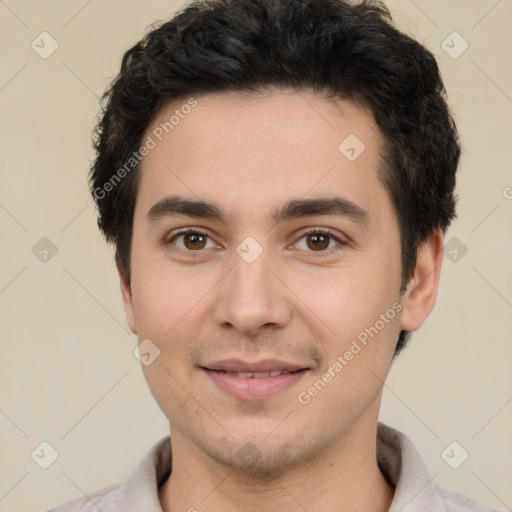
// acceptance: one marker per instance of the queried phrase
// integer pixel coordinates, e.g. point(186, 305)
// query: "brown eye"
point(194, 241)
point(191, 240)
point(318, 241)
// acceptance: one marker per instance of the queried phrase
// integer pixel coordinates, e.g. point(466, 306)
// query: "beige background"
point(67, 372)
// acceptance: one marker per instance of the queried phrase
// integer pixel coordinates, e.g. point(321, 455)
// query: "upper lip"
point(265, 365)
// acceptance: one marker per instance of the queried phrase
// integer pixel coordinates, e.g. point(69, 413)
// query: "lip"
point(253, 388)
point(265, 365)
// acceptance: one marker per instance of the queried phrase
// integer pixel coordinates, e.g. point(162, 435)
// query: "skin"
point(250, 154)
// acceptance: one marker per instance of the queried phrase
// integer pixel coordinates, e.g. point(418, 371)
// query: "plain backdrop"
point(68, 376)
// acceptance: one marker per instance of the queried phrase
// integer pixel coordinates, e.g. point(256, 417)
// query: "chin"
point(251, 459)
point(259, 454)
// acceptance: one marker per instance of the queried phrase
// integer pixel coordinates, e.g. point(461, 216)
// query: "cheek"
point(349, 297)
point(155, 308)
point(170, 305)
point(161, 295)
point(164, 308)
point(359, 305)
point(362, 314)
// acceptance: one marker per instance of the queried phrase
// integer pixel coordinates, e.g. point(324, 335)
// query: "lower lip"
point(254, 388)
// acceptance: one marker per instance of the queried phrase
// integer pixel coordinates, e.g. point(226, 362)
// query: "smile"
point(253, 381)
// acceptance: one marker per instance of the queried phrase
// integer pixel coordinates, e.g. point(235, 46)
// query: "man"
point(277, 177)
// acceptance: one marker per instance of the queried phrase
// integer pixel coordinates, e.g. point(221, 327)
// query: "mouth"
point(253, 381)
point(256, 375)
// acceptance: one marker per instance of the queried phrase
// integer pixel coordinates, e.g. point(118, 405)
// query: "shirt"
point(398, 459)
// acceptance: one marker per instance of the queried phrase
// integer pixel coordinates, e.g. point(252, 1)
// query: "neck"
point(345, 477)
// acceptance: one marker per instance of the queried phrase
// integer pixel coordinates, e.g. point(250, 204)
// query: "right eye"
point(192, 240)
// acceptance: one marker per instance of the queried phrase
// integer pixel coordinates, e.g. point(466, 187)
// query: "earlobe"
point(126, 294)
point(420, 295)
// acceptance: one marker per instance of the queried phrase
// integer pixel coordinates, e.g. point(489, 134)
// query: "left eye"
point(318, 241)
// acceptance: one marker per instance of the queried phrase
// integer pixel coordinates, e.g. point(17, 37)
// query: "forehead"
point(258, 118)
point(252, 150)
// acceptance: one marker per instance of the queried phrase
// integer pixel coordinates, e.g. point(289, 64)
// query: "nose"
point(253, 297)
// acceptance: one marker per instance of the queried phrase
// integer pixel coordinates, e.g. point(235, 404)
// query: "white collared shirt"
point(398, 460)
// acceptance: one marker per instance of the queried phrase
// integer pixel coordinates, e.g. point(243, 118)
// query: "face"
point(276, 314)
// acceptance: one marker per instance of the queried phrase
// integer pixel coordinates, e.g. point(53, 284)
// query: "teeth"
point(256, 375)
point(260, 375)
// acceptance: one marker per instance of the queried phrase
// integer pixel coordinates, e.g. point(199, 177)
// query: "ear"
point(126, 293)
point(420, 295)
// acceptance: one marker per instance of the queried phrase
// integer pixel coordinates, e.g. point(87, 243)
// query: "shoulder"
point(415, 489)
point(106, 500)
point(138, 492)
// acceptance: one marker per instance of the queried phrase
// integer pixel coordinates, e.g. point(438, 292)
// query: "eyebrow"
point(297, 208)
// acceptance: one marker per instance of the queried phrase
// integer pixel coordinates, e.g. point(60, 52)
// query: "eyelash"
point(314, 231)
